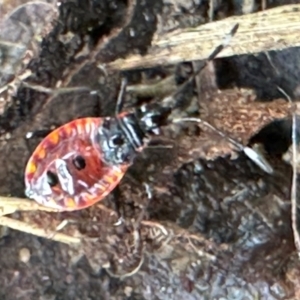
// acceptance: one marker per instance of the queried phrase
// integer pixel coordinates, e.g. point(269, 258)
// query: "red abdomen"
point(67, 170)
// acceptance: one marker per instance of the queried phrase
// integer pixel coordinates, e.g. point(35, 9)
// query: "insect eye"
point(79, 162)
point(117, 140)
point(52, 178)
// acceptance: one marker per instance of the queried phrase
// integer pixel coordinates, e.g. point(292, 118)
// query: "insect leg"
point(255, 156)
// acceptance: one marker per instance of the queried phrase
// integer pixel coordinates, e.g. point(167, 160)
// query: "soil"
point(214, 229)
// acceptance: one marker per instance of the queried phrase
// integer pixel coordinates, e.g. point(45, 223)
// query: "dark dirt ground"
point(216, 229)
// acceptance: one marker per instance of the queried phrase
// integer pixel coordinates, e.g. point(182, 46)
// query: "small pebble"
point(69, 278)
point(128, 291)
point(24, 255)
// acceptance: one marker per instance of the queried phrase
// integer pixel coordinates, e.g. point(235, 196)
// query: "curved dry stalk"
point(129, 274)
point(162, 228)
point(272, 29)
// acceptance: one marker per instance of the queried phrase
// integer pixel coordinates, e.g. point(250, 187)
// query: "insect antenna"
point(212, 56)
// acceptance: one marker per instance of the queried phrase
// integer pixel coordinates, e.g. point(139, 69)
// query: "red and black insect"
point(81, 162)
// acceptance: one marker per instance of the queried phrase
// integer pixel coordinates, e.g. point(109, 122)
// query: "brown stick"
point(273, 29)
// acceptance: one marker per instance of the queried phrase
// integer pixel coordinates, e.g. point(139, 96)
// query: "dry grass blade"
point(273, 29)
point(27, 228)
point(9, 205)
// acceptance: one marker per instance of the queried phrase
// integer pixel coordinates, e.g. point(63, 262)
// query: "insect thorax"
point(120, 139)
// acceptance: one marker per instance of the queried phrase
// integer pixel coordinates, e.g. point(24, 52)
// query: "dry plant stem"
point(57, 91)
point(9, 205)
point(24, 227)
point(294, 187)
point(16, 81)
point(160, 89)
point(294, 178)
point(211, 10)
point(273, 29)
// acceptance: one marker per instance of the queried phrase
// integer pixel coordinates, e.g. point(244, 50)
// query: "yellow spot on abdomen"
point(69, 202)
point(53, 137)
point(41, 152)
point(31, 168)
point(109, 179)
